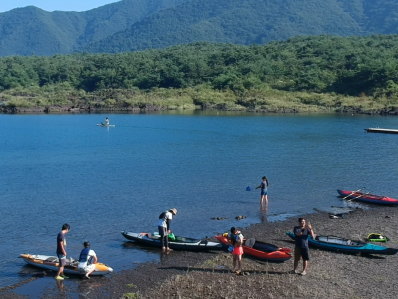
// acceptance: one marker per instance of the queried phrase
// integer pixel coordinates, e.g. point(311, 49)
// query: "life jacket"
point(235, 238)
point(84, 256)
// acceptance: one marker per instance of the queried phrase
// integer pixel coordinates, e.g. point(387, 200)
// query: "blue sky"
point(51, 5)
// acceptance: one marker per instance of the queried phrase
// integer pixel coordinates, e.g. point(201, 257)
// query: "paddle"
point(363, 194)
point(353, 192)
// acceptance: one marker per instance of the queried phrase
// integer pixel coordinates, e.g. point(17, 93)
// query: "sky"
point(51, 5)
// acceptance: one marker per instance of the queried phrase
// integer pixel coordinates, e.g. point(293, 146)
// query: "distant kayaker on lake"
point(301, 249)
point(264, 191)
point(164, 228)
point(61, 251)
point(107, 121)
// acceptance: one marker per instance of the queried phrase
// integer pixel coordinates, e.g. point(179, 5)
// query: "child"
point(236, 239)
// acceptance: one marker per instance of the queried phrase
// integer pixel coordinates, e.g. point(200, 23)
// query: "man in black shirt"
point(301, 250)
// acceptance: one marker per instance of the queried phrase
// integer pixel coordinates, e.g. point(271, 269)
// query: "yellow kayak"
point(51, 263)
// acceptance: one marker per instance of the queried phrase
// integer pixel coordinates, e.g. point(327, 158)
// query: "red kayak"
point(260, 250)
point(367, 197)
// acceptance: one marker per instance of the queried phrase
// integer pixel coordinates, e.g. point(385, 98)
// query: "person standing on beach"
point(87, 260)
point(301, 250)
point(236, 239)
point(164, 228)
point(61, 251)
point(264, 191)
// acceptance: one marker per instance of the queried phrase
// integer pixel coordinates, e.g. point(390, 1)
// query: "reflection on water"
point(60, 286)
point(263, 211)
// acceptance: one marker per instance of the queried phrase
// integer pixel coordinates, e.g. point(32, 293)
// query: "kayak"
point(180, 243)
point(51, 263)
point(333, 243)
point(107, 126)
point(367, 197)
point(260, 250)
point(375, 237)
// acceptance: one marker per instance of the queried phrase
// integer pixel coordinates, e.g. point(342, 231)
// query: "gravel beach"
point(207, 275)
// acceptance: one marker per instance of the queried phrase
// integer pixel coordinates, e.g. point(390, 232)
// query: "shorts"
point(238, 250)
point(87, 268)
point(301, 252)
point(264, 192)
point(61, 259)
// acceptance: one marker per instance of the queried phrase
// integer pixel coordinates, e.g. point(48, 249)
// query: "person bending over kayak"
point(301, 250)
point(87, 260)
point(164, 228)
point(236, 239)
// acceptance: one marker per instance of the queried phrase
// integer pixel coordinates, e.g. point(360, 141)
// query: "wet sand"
point(207, 275)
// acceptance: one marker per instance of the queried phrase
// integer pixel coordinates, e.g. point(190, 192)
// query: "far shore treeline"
point(303, 74)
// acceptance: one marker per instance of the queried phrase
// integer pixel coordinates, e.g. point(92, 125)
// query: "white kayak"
point(106, 126)
point(51, 263)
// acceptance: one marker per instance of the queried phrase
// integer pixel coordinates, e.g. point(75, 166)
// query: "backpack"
point(163, 215)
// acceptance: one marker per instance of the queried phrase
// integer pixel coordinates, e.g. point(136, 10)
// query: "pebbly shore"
point(208, 275)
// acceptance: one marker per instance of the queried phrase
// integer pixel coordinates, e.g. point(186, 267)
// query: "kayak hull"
point(333, 243)
point(51, 263)
point(106, 126)
point(180, 243)
point(261, 250)
point(367, 198)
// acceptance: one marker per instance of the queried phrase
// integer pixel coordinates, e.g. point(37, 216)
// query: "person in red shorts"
point(236, 240)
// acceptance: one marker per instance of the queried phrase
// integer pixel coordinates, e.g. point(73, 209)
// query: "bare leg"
point(60, 271)
point(262, 200)
point(296, 262)
point(239, 262)
point(305, 266)
point(89, 272)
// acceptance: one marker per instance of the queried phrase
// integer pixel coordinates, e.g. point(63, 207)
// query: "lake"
point(64, 168)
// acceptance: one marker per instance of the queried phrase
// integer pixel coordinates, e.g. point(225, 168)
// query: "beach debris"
point(218, 218)
point(336, 216)
point(376, 237)
point(240, 217)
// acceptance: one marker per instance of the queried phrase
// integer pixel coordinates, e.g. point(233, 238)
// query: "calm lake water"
point(64, 168)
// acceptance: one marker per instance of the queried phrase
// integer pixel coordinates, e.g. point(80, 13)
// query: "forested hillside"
point(131, 25)
point(233, 21)
point(33, 31)
point(305, 68)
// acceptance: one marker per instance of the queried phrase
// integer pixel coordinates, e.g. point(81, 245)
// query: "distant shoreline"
point(152, 109)
point(206, 99)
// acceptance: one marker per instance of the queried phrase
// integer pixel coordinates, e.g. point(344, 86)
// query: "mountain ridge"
point(132, 25)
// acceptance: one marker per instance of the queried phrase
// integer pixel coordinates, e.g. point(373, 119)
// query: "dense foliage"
point(353, 66)
point(221, 75)
point(132, 25)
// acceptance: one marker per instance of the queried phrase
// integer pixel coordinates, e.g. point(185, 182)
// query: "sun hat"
point(173, 210)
